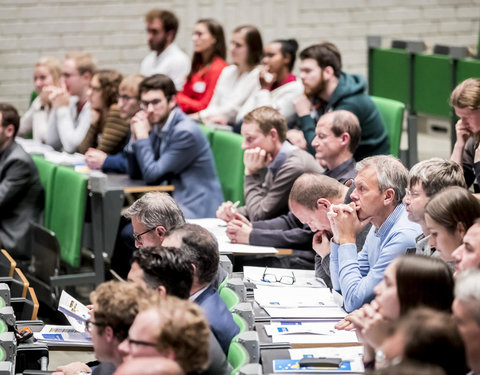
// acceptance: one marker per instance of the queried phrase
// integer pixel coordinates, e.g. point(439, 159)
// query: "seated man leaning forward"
point(337, 137)
point(310, 200)
point(379, 189)
point(168, 146)
point(272, 164)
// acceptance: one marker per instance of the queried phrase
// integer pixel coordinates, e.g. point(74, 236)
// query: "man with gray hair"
point(426, 179)
point(466, 310)
point(152, 216)
point(379, 189)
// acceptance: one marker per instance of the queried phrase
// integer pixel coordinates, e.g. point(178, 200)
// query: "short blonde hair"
point(84, 62)
point(183, 328)
point(53, 65)
point(118, 303)
point(268, 118)
point(131, 82)
point(466, 94)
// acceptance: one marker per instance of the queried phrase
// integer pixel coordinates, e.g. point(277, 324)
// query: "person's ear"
point(9, 130)
point(160, 231)
point(323, 203)
point(108, 334)
point(172, 103)
point(345, 138)
point(170, 36)
point(273, 133)
point(461, 229)
point(328, 73)
point(389, 196)
point(162, 291)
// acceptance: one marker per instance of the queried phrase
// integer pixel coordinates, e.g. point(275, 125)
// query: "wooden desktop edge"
point(147, 189)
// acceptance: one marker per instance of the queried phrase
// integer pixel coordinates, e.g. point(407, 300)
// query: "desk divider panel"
point(68, 211)
point(467, 68)
point(432, 85)
point(7, 264)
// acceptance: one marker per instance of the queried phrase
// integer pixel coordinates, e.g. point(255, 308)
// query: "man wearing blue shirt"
point(168, 146)
point(377, 198)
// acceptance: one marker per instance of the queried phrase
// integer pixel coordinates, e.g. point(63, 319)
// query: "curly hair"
point(109, 81)
point(116, 304)
point(183, 328)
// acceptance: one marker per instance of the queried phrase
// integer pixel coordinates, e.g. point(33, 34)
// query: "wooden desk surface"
point(134, 186)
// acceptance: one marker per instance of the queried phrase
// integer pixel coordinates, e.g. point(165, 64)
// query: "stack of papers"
point(309, 333)
point(219, 229)
point(63, 336)
point(351, 360)
point(76, 313)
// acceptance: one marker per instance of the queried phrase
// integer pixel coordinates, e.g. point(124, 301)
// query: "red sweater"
point(198, 91)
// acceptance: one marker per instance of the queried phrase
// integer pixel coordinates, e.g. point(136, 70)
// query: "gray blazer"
point(179, 154)
point(21, 200)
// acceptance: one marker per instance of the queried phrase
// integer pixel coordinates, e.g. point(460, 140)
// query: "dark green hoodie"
point(350, 95)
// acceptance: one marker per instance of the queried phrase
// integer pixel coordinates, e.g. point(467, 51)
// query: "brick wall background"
point(113, 31)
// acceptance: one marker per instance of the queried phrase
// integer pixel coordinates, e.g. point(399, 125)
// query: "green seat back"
point(432, 84)
point(391, 112)
point(222, 284)
point(68, 211)
point(237, 356)
point(208, 133)
point(389, 74)
point(228, 155)
point(230, 298)
point(467, 68)
point(240, 322)
point(46, 171)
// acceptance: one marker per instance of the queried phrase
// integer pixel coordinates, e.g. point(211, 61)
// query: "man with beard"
point(168, 146)
point(166, 57)
point(327, 88)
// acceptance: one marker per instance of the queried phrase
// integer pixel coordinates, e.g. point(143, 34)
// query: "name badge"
point(199, 87)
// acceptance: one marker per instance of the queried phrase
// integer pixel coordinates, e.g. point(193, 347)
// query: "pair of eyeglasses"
point(95, 88)
point(143, 343)
point(137, 237)
point(126, 98)
point(89, 323)
point(144, 104)
point(272, 278)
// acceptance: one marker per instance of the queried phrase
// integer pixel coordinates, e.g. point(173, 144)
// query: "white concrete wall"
point(114, 30)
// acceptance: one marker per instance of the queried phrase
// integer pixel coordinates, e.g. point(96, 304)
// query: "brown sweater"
point(114, 134)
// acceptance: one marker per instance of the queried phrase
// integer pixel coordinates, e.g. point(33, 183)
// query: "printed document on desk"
point(268, 296)
point(218, 228)
point(352, 354)
point(303, 278)
point(75, 311)
point(63, 336)
point(310, 333)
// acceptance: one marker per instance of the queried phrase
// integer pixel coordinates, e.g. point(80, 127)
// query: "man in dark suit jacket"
point(201, 249)
point(168, 146)
point(21, 193)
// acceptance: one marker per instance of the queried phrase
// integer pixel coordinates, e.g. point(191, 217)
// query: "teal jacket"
point(350, 95)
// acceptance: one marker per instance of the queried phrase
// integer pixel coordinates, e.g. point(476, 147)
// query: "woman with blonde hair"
point(47, 72)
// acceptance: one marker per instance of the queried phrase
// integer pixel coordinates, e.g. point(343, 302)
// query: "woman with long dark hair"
point(207, 64)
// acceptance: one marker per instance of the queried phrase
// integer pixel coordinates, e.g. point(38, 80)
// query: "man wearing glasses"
point(128, 105)
point(115, 306)
point(69, 120)
point(166, 146)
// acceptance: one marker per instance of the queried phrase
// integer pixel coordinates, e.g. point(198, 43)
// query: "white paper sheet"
point(267, 296)
point(218, 228)
point(303, 278)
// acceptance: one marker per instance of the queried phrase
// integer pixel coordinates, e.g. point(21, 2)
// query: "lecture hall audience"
point(402, 306)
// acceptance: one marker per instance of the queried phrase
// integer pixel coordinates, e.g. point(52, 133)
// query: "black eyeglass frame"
point(277, 280)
